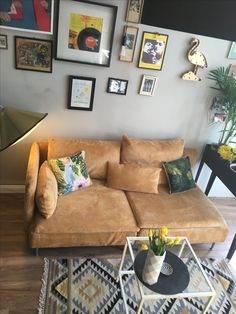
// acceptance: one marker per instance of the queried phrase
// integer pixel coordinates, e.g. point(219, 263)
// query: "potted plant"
point(158, 244)
point(226, 102)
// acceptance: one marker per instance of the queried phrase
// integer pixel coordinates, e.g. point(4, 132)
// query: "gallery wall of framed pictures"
point(84, 33)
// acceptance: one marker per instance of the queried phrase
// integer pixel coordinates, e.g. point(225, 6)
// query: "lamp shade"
point(16, 123)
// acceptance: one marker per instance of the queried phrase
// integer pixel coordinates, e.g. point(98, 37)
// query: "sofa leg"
point(36, 252)
point(212, 245)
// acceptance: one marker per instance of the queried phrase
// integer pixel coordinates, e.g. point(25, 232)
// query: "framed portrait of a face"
point(152, 51)
point(148, 85)
point(117, 86)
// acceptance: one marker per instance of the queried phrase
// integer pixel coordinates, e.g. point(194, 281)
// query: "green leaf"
point(60, 165)
point(75, 169)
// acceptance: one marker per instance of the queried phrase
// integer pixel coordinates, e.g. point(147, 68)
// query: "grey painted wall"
point(178, 108)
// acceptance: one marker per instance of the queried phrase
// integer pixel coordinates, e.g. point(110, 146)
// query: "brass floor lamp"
point(15, 124)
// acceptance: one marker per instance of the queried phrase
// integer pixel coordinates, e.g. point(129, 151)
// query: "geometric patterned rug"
point(90, 286)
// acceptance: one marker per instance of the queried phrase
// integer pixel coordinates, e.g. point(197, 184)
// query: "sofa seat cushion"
point(189, 214)
point(97, 216)
point(98, 153)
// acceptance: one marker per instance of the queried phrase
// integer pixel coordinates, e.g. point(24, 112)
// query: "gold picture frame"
point(152, 51)
point(134, 11)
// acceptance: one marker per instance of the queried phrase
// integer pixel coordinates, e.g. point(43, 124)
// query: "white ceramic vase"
point(233, 167)
point(152, 267)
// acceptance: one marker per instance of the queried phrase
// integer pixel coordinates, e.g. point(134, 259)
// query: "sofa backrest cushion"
point(133, 177)
point(151, 152)
point(46, 193)
point(97, 153)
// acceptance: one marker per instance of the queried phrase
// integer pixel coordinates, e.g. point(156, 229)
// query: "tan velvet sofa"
point(103, 216)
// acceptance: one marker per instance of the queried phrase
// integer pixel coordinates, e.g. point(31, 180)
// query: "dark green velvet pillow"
point(179, 175)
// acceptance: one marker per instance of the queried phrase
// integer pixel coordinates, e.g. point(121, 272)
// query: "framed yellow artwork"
point(152, 51)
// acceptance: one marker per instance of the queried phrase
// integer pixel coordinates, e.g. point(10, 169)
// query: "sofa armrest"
point(192, 154)
point(31, 183)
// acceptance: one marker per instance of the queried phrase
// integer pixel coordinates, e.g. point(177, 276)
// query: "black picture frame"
point(84, 32)
point(81, 93)
point(33, 54)
point(117, 86)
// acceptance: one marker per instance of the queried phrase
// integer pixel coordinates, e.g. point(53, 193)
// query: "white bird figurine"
point(197, 58)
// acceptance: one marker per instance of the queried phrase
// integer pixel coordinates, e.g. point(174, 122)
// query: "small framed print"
point(148, 85)
point(117, 86)
point(232, 51)
point(33, 54)
point(81, 93)
point(129, 43)
point(232, 70)
point(152, 51)
point(3, 41)
point(134, 11)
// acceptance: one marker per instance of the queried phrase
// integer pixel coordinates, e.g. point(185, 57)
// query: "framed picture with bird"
point(152, 51)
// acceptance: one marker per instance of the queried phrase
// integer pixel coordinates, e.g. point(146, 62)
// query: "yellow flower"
point(171, 242)
point(163, 231)
point(227, 152)
point(150, 233)
point(177, 240)
point(144, 247)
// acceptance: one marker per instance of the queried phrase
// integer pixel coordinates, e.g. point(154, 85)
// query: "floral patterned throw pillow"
point(71, 173)
point(179, 175)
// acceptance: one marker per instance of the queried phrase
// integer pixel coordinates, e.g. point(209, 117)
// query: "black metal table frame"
point(219, 168)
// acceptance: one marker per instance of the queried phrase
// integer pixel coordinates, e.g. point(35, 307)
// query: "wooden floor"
point(21, 271)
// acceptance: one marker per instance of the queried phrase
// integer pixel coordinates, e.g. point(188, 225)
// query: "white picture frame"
point(148, 85)
point(3, 41)
point(40, 20)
